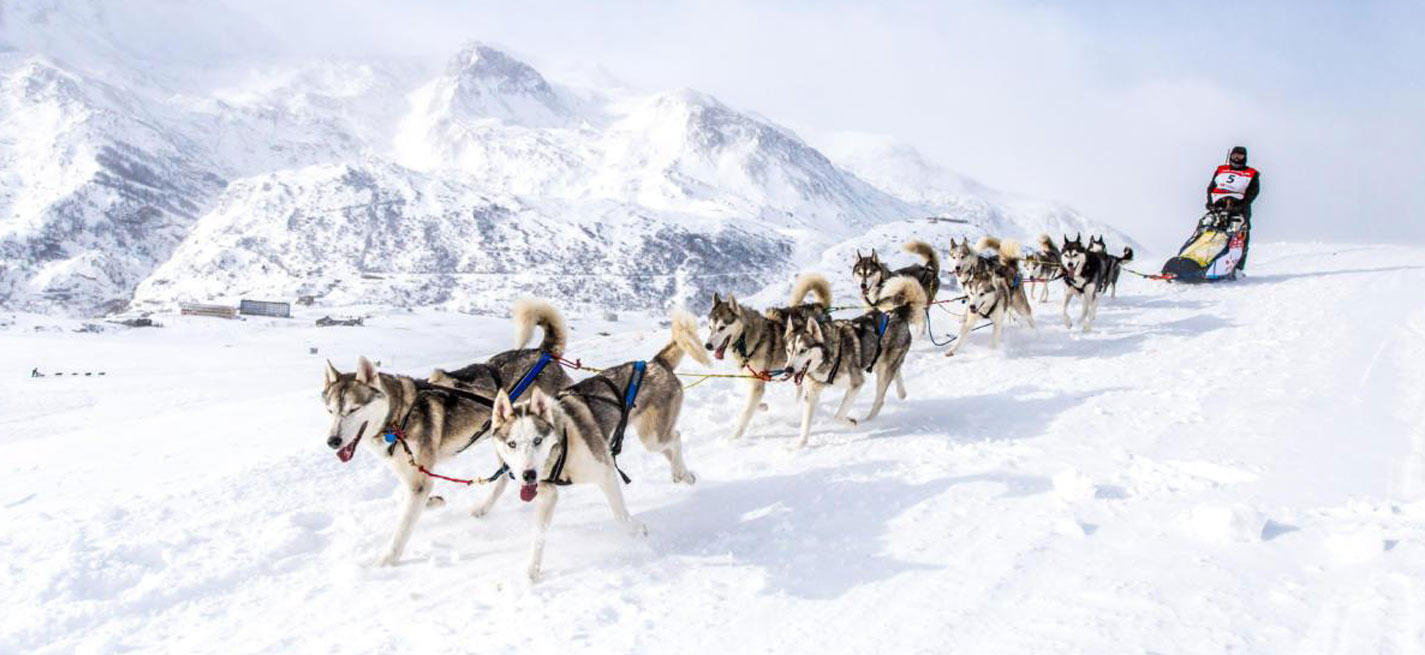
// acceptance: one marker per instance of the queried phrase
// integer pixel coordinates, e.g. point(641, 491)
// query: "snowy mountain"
point(95, 193)
point(131, 181)
point(377, 233)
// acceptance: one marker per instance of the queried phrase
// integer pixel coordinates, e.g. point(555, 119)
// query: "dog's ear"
point(503, 411)
point(542, 405)
point(365, 371)
point(439, 376)
point(814, 327)
point(732, 302)
point(874, 256)
point(331, 374)
point(717, 299)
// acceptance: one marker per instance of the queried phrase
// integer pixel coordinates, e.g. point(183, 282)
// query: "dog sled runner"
point(1213, 251)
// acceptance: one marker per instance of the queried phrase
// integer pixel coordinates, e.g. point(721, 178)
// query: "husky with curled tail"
point(755, 339)
point(573, 438)
point(1085, 277)
point(993, 291)
point(840, 353)
point(414, 424)
point(1112, 264)
point(872, 275)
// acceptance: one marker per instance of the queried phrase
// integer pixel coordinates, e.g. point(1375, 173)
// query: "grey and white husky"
point(992, 291)
point(552, 441)
point(840, 353)
point(1043, 267)
point(963, 260)
point(756, 339)
point(434, 423)
point(1085, 276)
point(872, 275)
point(1112, 263)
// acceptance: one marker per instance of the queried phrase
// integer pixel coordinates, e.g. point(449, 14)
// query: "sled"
point(1213, 251)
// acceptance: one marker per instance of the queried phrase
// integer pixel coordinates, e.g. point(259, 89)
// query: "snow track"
point(1238, 467)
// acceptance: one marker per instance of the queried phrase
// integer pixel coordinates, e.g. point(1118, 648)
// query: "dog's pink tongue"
point(527, 492)
point(718, 353)
point(347, 451)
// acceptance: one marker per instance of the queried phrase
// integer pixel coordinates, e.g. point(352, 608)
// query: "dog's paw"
point(637, 528)
point(532, 573)
point(849, 421)
point(761, 407)
point(687, 478)
point(479, 511)
point(390, 559)
point(434, 502)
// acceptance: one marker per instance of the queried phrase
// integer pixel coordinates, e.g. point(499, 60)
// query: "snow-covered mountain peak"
point(482, 82)
point(394, 181)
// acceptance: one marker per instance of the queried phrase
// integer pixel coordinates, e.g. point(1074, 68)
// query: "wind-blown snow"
point(135, 177)
point(1235, 467)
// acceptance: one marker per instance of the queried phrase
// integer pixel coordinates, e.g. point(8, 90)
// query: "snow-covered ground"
point(1238, 467)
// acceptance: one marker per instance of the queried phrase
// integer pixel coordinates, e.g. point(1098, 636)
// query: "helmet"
point(1237, 156)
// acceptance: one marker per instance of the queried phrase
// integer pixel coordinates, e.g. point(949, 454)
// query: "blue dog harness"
point(627, 401)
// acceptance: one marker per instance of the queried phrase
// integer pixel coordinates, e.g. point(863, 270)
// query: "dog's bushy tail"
point(685, 341)
point(926, 252)
point(529, 312)
point(986, 242)
point(1046, 244)
point(1127, 254)
point(904, 297)
point(811, 283)
point(1010, 252)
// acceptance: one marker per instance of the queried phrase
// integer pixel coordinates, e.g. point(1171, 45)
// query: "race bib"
point(1231, 183)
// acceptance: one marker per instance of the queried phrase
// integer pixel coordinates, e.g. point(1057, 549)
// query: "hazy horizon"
point(1118, 109)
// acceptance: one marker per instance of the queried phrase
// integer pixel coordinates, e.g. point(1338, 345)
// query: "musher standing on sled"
point(1233, 187)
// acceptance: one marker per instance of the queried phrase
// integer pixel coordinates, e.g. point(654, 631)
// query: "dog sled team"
point(550, 432)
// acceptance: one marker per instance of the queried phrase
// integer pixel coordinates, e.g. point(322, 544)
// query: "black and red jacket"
point(1239, 184)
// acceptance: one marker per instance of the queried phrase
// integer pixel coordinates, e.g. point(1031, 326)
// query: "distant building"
point(265, 308)
point(217, 311)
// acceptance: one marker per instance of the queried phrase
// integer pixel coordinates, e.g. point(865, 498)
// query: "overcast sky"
point(1118, 107)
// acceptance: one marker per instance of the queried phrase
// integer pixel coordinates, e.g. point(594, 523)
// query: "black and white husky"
point(872, 275)
point(840, 353)
point(571, 438)
point(1113, 263)
point(1085, 276)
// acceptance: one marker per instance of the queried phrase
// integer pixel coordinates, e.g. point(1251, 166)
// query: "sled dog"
point(1044, 267)
point(872, 275)
point(993, 292)
point(1113, 264)
point(1085, 275)
point(756, 340)
point(573, 437)
point(840, 353)
point(434, 423)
